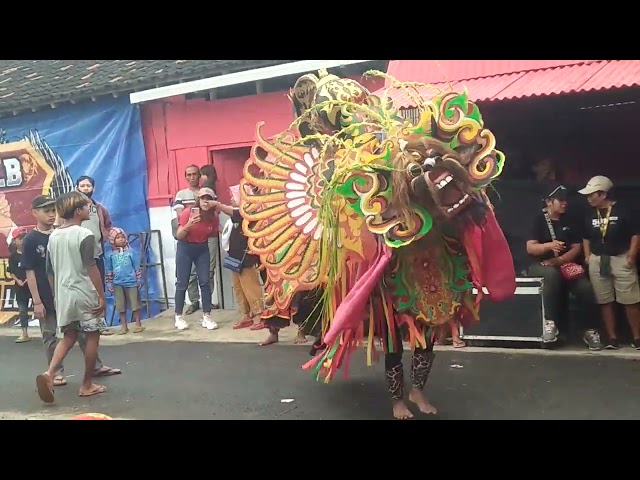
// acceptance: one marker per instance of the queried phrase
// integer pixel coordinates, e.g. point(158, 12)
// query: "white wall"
point(160, 218)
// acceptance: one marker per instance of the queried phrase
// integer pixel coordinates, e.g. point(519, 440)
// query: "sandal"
point(138, 329)
point(459, 344)
point(258, 326)
point(107, 372)
point(243, 324)
point(23, 339)
point(123, 331)
point(45, 388)
point(59, 381)
point(96, 391)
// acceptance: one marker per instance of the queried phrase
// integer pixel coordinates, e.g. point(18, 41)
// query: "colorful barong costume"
point(387, 218)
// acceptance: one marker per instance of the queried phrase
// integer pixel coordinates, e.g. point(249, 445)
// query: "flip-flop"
point(45, 392)
point(106, 333)
point(243, 324)
point(139, 329)
point(97, 391)
point(59, 381)
point(123, 332)
point(258, 326)
point(110, 372)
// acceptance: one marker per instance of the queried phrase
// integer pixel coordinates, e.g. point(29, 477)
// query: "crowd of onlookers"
point(196, 227)
point(594, 258)
point(591, 259)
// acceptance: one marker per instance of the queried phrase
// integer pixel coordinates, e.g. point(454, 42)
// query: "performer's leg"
point(394, 373)
point(272, 338)
point(421, 364)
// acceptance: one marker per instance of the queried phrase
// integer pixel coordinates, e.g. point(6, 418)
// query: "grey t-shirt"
point(184, 198)
point(69, 255)
point(93, 224)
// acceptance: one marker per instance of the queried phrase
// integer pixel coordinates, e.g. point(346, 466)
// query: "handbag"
point(234, 264)
point(570, 270)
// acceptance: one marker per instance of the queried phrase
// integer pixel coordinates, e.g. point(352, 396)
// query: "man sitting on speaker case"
point(555, 249)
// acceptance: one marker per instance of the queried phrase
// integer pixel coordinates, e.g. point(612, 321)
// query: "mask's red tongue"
point(490, 259)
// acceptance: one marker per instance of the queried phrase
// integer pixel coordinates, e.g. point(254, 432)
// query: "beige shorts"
point(622, 286)
point(126, 296)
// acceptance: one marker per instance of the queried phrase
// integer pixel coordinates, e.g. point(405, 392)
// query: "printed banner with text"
point(45, 152)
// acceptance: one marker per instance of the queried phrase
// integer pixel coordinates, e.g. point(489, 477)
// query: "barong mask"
point(351, 176)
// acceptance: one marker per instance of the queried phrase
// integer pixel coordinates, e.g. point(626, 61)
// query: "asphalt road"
point(182, 380)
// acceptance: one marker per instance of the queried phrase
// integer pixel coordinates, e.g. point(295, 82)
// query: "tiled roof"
point(31, 84)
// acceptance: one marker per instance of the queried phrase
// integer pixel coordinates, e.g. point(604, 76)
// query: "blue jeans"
point(188, 254)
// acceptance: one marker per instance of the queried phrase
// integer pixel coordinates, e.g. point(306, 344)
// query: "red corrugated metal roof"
point(582, 77)
point(436, 71)
point(615, 74)
point(551, 81)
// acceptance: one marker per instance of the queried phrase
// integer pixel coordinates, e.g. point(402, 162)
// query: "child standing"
point(77, 290)
point(123, 279)
point(19, 276)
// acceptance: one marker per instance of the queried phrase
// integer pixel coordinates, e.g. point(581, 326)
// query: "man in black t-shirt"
point(547, 253)
point(611, 236)
point(34, 262)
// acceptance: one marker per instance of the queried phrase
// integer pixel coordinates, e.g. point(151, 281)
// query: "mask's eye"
point(430, 162)
point(414, 170)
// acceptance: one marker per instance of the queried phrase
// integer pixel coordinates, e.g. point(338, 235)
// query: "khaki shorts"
point(622, 286)
point(126, 296)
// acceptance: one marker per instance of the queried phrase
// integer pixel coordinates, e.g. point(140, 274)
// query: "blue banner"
point(45, 152)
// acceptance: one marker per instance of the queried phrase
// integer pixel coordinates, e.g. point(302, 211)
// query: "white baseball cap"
point(599, 183)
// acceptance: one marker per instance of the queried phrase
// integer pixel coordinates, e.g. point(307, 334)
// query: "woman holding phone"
point(195, 226)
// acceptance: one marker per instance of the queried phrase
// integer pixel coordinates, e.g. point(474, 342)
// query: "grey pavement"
point(197, 380)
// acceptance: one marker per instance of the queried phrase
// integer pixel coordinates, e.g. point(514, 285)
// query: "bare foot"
point(93, 389)
point(300, 338)
point(418, 397)
point(401, 411)
point(272, 338)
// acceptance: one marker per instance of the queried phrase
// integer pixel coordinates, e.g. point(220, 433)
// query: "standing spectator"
point(611, 248)
point(246, 282)
point(19, 276)
point(99, 223)
point(196, 225)
point(209, 178)
point(34, 262)
point(123, 279)
point(186, 198)
point(555, 240)
point(78, 291)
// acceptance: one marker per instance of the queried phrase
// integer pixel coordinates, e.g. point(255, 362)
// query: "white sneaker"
point(181, 324)
point(208, 323)
point(550, 332)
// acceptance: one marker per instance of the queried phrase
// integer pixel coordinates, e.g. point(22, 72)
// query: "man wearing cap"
point(610, 242)
point(34, 262)
point(556, 240)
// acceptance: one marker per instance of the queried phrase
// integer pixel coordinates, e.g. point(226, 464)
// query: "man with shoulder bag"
point(555, 248)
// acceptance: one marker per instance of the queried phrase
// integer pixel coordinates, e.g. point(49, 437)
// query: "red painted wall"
point(179, 132)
